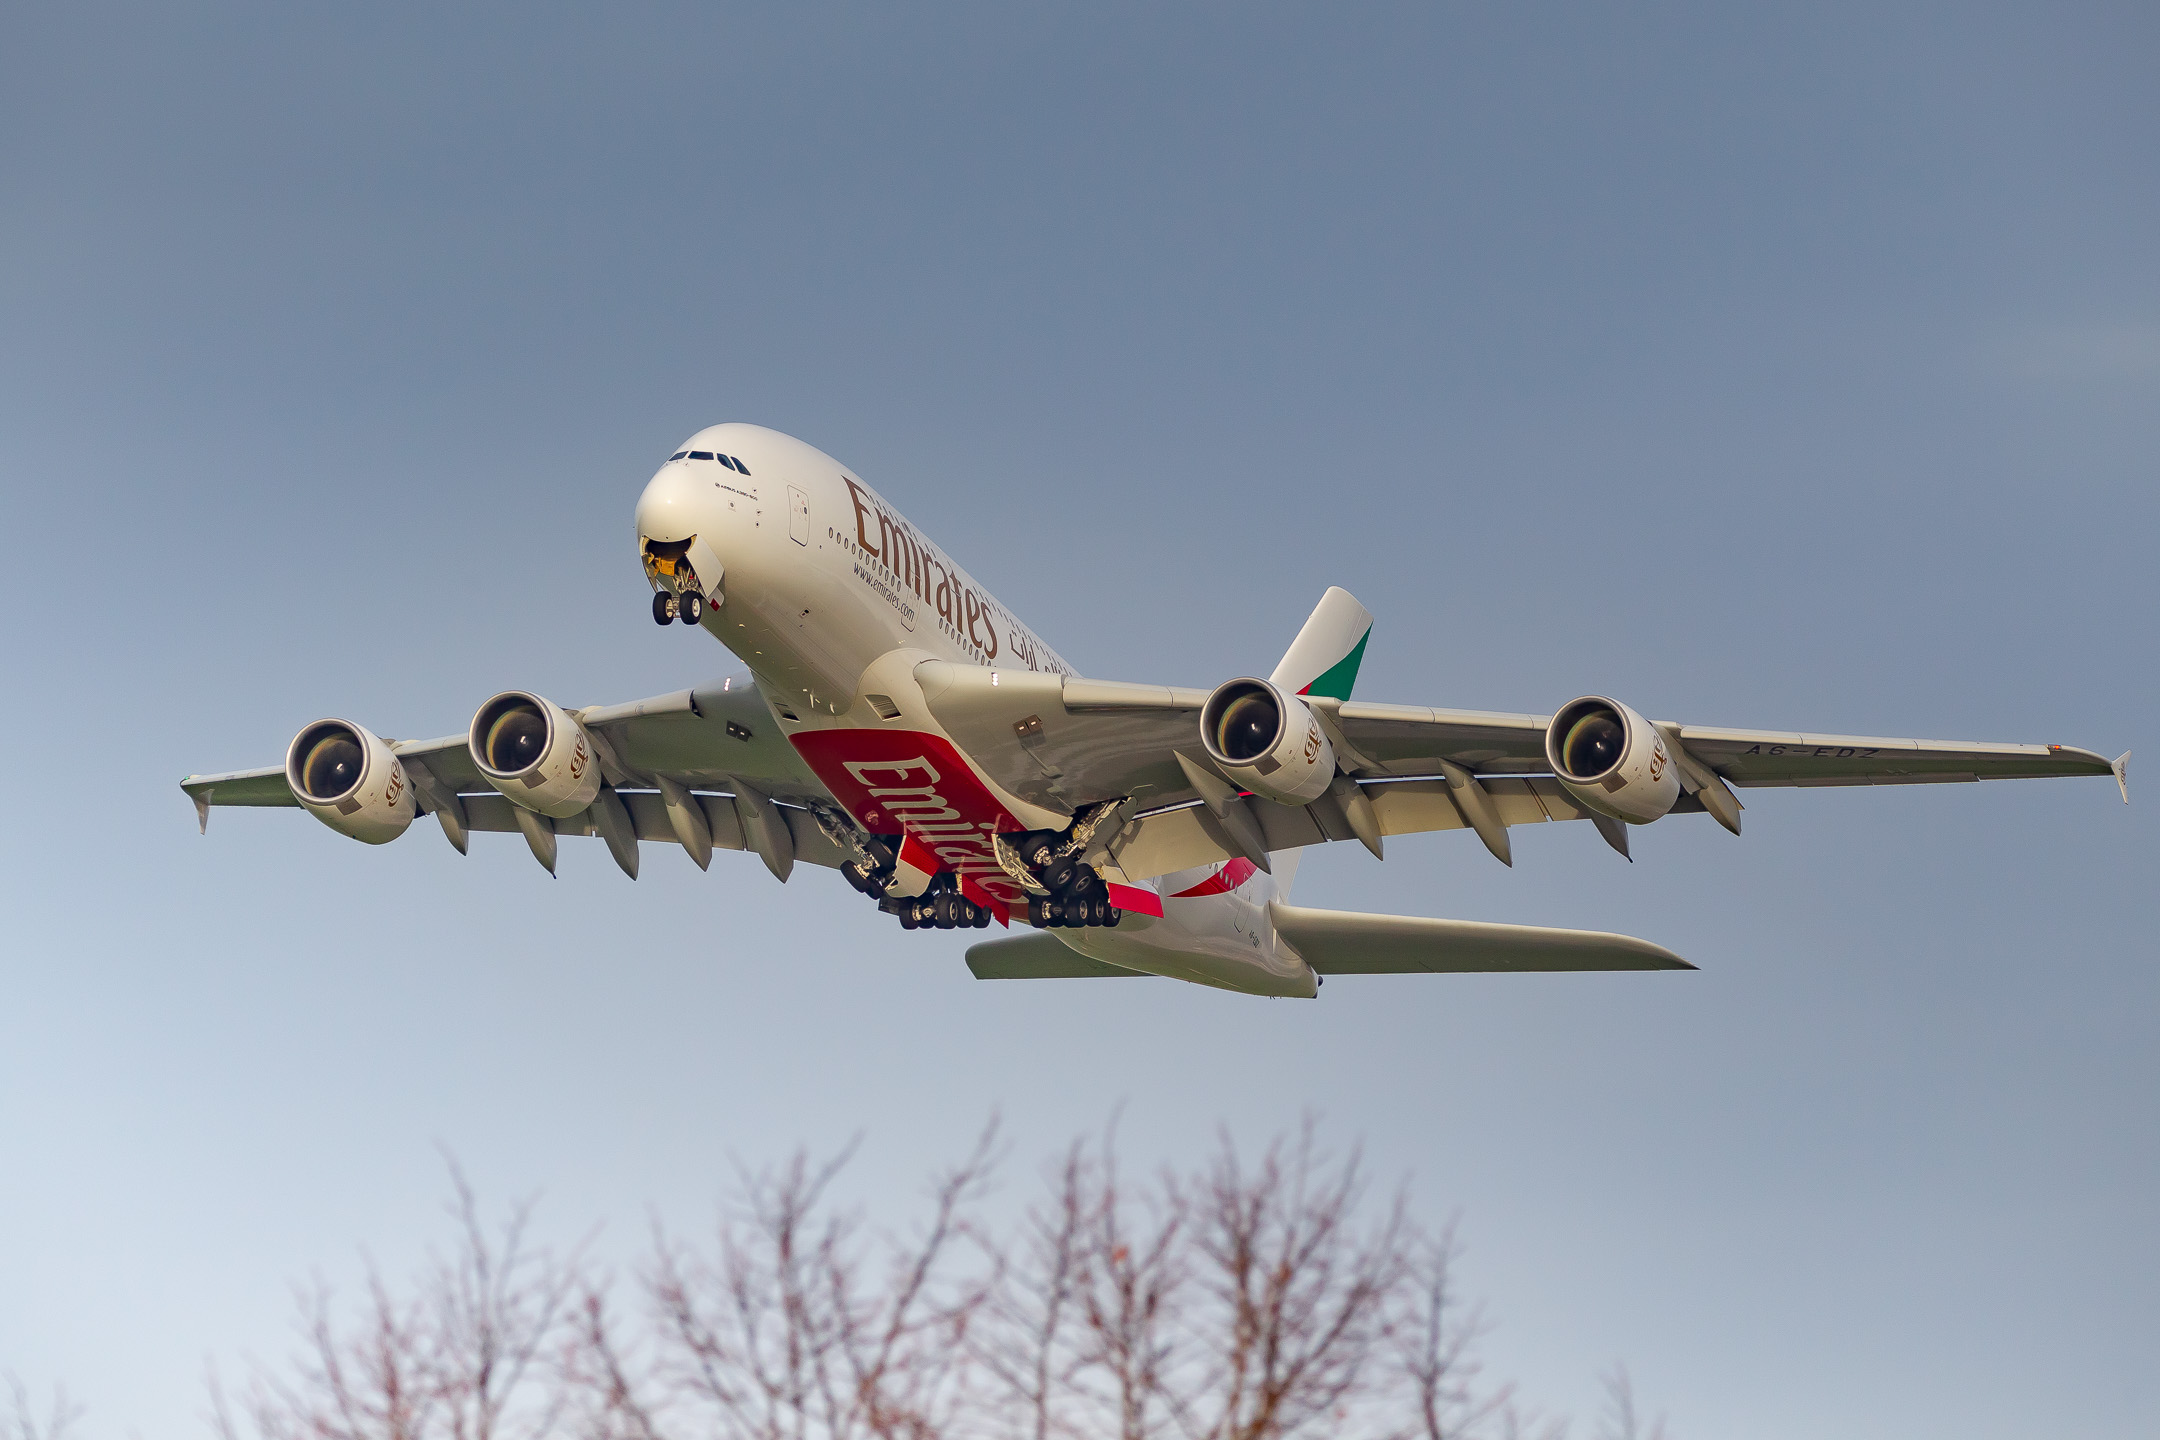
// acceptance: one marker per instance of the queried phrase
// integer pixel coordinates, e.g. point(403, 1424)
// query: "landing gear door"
point(798, 516)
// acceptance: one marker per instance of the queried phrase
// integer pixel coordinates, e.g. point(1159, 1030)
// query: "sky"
point(1793, 368)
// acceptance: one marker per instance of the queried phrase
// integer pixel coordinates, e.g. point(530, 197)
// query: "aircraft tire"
point(691, 609)
point(663, 607)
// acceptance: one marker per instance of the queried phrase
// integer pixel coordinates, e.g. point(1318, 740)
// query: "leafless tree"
point(1297, 1286)
point(1135, 1273)
point(612, 1400)
point(470, 1355)
point(1435, 1337)
point(784, 1333)
point(21, 1422)
point(1079, 1335)
point(1234, 1299)
point(1023, 1342)
point(1620, 1421)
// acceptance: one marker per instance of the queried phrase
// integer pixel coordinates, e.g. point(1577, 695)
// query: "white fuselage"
point(832, 598)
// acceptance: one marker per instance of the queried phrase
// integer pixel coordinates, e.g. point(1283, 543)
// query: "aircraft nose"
point(668, 509)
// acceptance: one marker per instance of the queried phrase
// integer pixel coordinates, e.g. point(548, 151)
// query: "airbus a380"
point(899, 725)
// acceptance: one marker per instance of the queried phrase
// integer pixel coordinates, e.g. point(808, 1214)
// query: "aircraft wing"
point(717, 741)
point(1337, 942)
point(1063, 741)
point(1399, 739)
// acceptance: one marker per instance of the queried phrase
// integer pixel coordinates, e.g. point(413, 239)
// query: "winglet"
point(2122, 775)
point(202, 802)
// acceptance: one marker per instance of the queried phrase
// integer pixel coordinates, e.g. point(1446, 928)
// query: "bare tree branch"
point(467, 1357)
point(783, 1337)
point(1620, 1421)
point(20, 1422)
point(1302, 1293)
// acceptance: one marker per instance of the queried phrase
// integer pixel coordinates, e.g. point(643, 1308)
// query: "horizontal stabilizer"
point(1337, 942)
point(1038, 957)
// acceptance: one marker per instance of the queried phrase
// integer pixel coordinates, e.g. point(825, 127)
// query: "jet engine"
point(533, 751)
point(1267, 741)
point(1608, 757)
point(349, 780)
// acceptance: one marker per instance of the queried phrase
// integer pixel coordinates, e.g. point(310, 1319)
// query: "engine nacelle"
point(1267, 741)
point(1609, 758)
point(349, 780)
point(533, 751)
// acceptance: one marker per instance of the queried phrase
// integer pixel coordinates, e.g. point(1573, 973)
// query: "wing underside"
point(1062, 742)
point(718, 742)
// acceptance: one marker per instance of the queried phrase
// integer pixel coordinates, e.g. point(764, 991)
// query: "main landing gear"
point(1064, 890)
point(688, 607)
point(1078, 897)
point(942, 909)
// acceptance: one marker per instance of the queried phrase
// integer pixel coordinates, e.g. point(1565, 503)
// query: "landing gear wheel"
point(663, 607)
point(1057, 873)
point(690, 609)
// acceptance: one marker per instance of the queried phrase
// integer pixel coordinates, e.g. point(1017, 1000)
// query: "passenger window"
point(679, 454)
point(701, 454)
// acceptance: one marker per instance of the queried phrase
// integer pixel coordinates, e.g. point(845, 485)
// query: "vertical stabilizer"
point(1324, 658)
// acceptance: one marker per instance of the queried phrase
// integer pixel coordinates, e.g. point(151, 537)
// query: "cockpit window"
point(678, 455)
point(701, 455)
point(727, 460)
point(736, 463)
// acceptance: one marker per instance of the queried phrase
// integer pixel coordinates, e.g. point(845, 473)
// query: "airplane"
point(894, 722)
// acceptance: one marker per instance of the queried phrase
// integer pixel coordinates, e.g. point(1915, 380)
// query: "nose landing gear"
point(688, 607)
point(678, 594)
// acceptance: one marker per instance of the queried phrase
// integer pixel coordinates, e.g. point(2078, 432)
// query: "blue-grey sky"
point(1794, 369)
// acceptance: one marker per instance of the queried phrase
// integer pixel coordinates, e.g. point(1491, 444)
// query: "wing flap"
point(649, 820)
point(1179, 839)
point(1337, 942)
